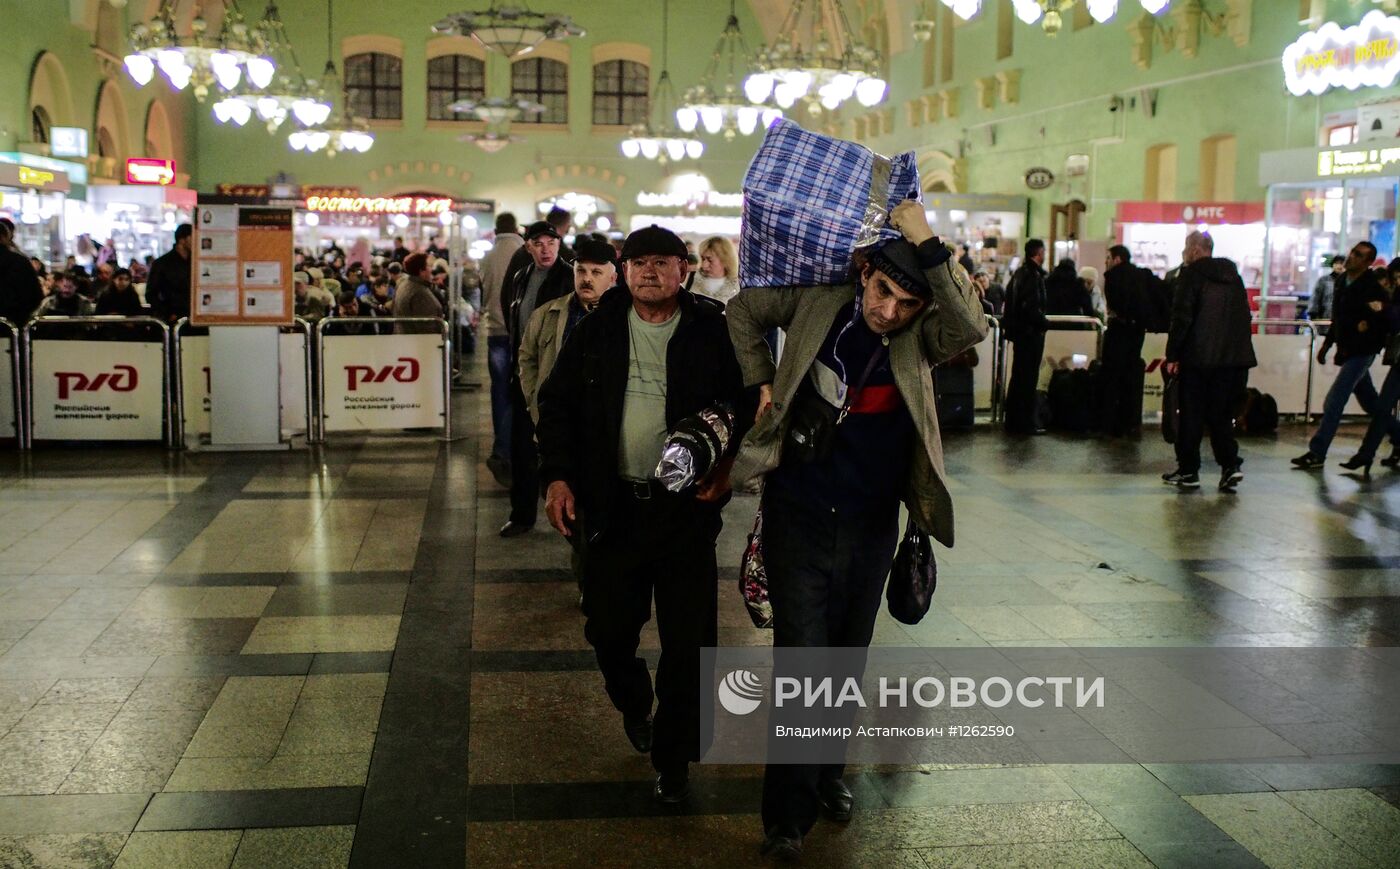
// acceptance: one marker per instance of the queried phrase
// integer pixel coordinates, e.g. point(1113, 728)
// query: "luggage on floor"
point(952, 388)
point(1073, 401)
point(1258, 415)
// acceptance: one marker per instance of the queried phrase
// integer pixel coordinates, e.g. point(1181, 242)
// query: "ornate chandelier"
point(1050, 13)
point(717, 103)
point(816, 58)
point(492, 140)
point(199, 59)
point(511, 30)
point(662, 142)
point(497, 110)
point(290, 92)
point(341, 130)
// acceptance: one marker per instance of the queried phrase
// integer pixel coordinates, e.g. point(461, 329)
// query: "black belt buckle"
point(639, 491)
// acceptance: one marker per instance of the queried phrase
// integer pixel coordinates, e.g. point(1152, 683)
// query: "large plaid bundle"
point(810, 201)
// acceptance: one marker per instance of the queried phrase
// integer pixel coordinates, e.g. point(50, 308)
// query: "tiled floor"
point(329, 658)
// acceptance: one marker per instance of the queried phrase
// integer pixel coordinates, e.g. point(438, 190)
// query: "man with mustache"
point(649, 356)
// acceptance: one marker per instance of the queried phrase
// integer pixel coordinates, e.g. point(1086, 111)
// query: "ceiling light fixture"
point(199, 58)
point(340, 130)
point(816, 58)
point(509, 29)
point(718, 103)
point(1050, 13)
point(663, 141)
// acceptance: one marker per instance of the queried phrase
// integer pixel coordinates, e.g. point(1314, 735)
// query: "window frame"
point(456, 91)
point(374, 88)
point(538, 93)
point(619, 99)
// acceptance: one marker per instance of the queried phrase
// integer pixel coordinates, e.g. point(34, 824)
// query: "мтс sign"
point(1367, 55)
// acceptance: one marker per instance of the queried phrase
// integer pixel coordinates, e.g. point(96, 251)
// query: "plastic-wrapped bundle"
point(810, 201)
point(694, 447)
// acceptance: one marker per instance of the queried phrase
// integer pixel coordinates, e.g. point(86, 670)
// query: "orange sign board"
point(149, 170)
point(242, 266)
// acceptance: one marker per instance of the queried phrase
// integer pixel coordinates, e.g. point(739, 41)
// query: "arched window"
point(106, 145)
point(40, 125)
point(454, 77)
point(374, 85)
point(545, 82)
point(1159, 175)
point(621, 92)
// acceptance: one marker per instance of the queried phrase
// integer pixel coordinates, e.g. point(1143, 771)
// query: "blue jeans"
point(1383, 417)
point(498, 363)
point(1354, 376)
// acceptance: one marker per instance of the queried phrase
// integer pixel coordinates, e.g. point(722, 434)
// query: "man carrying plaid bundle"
point(847, 427)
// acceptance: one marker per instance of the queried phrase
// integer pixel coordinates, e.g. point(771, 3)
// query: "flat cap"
point(653, 241)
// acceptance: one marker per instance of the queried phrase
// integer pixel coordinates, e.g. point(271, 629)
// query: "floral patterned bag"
point(753, 579)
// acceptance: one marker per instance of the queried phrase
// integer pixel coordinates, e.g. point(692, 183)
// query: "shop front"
point(992, 226)
point(35, 199)
point(137, 218)
point(1156, 233)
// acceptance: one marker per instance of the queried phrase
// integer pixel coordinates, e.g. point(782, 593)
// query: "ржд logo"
point(122, 378)
point(405, 373)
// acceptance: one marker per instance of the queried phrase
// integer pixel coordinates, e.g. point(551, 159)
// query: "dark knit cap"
point(899, 260)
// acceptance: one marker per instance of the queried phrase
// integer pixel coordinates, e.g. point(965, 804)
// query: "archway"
point(159, 142)
point(50, 98)
point(110, 130)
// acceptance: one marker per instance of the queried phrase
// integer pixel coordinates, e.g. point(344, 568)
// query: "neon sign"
point(35, 177)
point(148, 170)
point(1367, 55)
point(1374, 161)
point(379, 204)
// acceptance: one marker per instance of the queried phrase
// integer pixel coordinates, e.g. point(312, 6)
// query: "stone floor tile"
point(257, 740)
point(1276, 832)
point(37, 762)
point(323, 634)
point(1093, 854)
point(1359, 818)
point(108, 690)
point(75, 814)
point(114, 781)
point(296, 848)
point(260, 773)
point(68, 716)
point(70, 851)
point(185, 849)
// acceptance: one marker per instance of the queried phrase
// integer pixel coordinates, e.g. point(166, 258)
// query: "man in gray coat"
point(414, 297)
point(493, 278)
point(847, 429)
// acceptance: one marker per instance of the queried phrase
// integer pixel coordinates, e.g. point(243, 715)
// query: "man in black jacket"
point(643, 360)
point(1209, 347)
point(1123, 288)
point(20, 293)
point(168, 287)
point(1025, 326)
point(547, 277)
point(1358, 332)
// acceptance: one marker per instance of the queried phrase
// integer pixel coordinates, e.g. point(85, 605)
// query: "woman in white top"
point(719, 270)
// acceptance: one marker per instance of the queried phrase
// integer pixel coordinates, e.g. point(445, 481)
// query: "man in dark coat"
point(168, 288)
point(645, 359)
point(1025, 326)
point(1123, 288)
point(547, 277)
point(1209, 347)
point(20, 293)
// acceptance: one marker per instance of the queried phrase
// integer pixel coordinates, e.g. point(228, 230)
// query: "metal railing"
point(27, 340)
point(443, 329)
point(17, 393)
point(999, 381)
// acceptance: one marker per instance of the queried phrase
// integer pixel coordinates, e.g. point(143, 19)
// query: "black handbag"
point(913, 577)
point(1171, 408)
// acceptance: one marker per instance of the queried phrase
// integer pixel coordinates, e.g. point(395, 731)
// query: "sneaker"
point(1309, 461)
point(1188, 481)
point(1172, 478)
point(1230, 478)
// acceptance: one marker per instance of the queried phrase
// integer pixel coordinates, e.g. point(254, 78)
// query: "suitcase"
point(953, 391)
point(1072, 394)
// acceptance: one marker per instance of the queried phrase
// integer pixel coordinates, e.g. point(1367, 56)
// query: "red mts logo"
point(122, 378)
point(357, 374)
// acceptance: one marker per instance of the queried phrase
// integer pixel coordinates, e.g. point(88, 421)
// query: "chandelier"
point(662, 142)
point(511, 30)
point(717, 102)
point(1050, 13)
point(200, 59)
point(816, 58)
point(497, 110)
point(289, 92)
point(340, 130)
point(492, 140)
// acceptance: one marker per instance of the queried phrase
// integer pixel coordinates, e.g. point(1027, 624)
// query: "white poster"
point(1378, 123)
point(262, 273)
point(218, 244)
point(194, 373)
point(98, 390)
point(262, 303)
point(8, 425)
point(218, 217)
point(194, 381)
point(217, 273)
point(382, 382)
point(216, 301)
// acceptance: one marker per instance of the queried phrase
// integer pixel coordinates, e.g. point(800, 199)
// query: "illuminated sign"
point(379, 204)
point(68, 142)
point(1367, 55)
point(1190, 212)
point(35, 177)
point(698, 199)
point(1337, 163)
point(147, 170)
point(15, 175)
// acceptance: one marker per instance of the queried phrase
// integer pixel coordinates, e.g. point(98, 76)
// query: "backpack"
point(1154, 302)
point(1073, 394)
point(1258, 415)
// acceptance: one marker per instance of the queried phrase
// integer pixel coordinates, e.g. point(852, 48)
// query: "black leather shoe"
point(515, 529)
point(782, 847)
point(1393, 460)
point(671, 787)
point(499, 466)
point(638, 732)
point(836, 799)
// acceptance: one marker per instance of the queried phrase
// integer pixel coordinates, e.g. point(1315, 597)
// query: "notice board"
point(242, 266)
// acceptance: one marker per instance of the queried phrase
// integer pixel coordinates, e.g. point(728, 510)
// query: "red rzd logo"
point(122, 378)
point(405, 373)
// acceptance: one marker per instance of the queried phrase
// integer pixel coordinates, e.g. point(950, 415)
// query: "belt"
point(640, 490)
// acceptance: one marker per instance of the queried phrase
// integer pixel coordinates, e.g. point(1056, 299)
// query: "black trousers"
point(1121, 400)
point(1020, 392)
point(826, 578)
point(524, 461)
point(662, 546)
point(1208, 400)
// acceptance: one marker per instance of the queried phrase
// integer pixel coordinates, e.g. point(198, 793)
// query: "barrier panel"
point(93, 390)
point(1064, 348)
point(1286, 364)
point(1154, 355)
point(9, 382)
point(384, 381)
point(984, 374)
point(193, 382)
